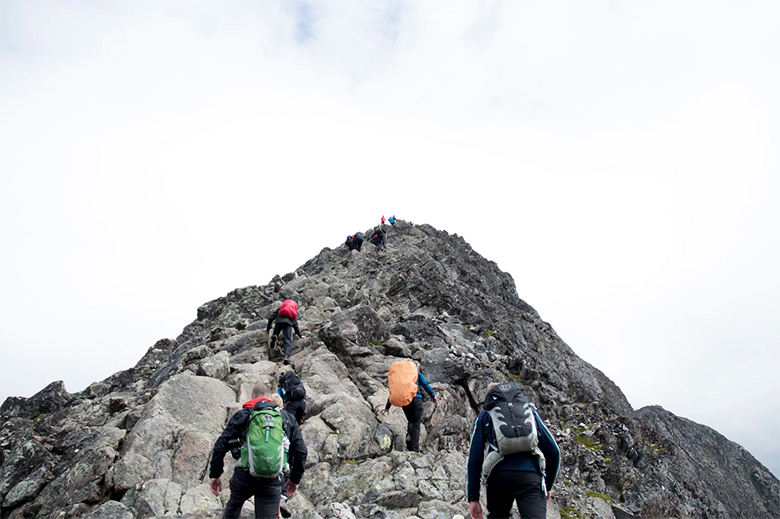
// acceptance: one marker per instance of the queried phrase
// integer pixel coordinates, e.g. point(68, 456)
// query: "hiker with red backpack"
point(293, 394)
point(269, 438)
point(514, 453)
point(406, 385)
point(286, 321)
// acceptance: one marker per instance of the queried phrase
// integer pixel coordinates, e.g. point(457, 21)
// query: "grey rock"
point(23, 461)
point(217, 366)
point(111, 510)
point(131, 470)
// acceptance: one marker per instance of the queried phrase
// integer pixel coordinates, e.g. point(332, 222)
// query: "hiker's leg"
point(296, 408)
point(240, 491)
point(287, 333)
point(499, 494)
point(531, 500)
point(268, 496)
point(414, 415)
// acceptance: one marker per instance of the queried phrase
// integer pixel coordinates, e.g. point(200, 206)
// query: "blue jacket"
point(483, 432)
point(421, 384)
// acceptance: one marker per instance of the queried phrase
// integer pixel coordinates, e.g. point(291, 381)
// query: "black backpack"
point(293, 387)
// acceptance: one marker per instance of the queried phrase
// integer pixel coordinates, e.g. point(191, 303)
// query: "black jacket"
point(280, 319)
point(236, 428)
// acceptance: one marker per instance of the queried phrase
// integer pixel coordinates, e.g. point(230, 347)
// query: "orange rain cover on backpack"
point(289, 309)
point(402, 382)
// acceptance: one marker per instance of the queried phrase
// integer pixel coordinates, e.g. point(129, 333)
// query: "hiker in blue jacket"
point(414, 413)
point(516, 477)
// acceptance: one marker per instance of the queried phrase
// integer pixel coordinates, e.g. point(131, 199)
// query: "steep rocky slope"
point(137, 443)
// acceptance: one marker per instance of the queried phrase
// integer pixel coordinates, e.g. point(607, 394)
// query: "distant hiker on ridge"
point(379, 238)
point(355, 242)
point(526, 470)
point(286, 321)
point(293, 393)
point(382, 221)
point(265, 427)
point(406, 386)
point(391, 220)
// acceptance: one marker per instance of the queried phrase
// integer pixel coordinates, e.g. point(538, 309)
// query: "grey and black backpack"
point(514, 426)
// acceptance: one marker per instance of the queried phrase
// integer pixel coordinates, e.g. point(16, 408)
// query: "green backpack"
point(264, 454)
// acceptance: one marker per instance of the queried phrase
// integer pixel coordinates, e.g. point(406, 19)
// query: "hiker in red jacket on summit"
point(286, 321)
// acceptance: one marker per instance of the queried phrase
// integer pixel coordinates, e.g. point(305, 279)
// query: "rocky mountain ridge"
point(136, 444)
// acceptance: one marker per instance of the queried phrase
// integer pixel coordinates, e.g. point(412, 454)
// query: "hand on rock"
point(384, 411)
point(216, 486)
point(289, 488)
point(475, 510)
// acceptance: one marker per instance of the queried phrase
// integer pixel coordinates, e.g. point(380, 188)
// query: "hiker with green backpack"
point(269, 438)
point(515, 455)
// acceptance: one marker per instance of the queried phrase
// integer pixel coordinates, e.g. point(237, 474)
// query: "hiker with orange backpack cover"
point(406, 385)
point(286, 319)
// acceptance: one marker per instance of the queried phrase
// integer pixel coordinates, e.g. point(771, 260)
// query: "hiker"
point(382, 222)
point(257, 421)
point(406, 386)
point(293, 393)
point(378, 238)
point(286, 319)
point(526, 472)
point(356, 243)
point(391, 220)
point(348, 243)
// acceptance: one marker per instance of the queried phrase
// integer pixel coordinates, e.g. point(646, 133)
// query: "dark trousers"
point(505, 487)
point(414, 415)
point(296, 408)
point(267, 492)
point(287, 331)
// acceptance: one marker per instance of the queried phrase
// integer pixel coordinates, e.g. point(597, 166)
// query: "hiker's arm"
point(271, 320)
point(424, 383)
point(297, 330)
point(549, 448)
point(474, 466)
point(298, 452)
point(233, 430)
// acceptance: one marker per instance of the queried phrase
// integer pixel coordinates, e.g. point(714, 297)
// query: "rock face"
point(136, 445)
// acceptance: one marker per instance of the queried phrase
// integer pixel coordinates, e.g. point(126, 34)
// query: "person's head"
point(261, 390)
point(276, 399)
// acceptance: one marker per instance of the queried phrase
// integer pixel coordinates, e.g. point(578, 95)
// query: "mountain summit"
point(137, 444)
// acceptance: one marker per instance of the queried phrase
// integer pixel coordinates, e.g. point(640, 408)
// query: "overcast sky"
point(619, 159)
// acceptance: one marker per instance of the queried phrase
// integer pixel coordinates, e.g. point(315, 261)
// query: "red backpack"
point(289, 309)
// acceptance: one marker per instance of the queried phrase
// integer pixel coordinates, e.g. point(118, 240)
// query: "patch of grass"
point(491, 333)
point(40, 417)
point(593, 493)
point(376, 343)
point(586, 441)
point(607, 458)
point(570, 513)
point(658, 447)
